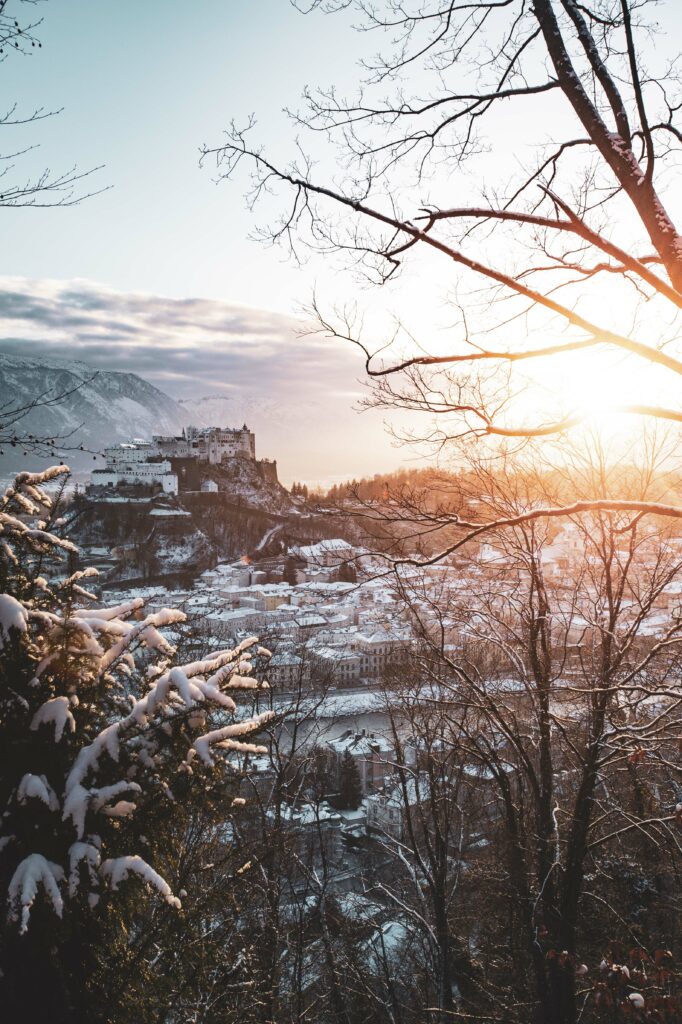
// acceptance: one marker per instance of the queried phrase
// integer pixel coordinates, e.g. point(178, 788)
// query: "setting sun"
point(592, 387)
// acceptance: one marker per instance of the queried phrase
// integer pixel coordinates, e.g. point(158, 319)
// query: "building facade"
point(135, 464)
point(208, 444)
point(149, 462)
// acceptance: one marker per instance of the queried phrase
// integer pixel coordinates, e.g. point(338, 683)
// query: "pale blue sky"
point(143, 84)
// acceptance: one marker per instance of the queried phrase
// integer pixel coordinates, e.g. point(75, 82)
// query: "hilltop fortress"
point(175, 464)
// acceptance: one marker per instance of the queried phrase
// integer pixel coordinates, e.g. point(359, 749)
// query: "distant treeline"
point(385, 486)
point(431, 487)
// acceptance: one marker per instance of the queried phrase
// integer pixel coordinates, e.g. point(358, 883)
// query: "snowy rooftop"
point(335, 653)
point(285, 658)
point(385, 635)
point(324, 586)
point(324, 546)
point(311, 620)
point(415, 790)
point(360, 744)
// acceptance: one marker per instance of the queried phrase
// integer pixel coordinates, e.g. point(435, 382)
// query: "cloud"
point(178, 342)
point(195, 347)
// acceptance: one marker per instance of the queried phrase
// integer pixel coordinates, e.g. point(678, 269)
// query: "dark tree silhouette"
point(350, 786)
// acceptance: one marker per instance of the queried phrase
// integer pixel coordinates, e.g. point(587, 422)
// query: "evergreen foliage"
point(350, 786)
point(289, 572)
point(102, 736)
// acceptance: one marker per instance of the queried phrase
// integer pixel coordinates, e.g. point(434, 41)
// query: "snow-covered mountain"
point(97, 408)
point(81, 405)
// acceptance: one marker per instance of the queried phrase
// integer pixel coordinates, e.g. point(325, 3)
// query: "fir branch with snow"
point(98, 728)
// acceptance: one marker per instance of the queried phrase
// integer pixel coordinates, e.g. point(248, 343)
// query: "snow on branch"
point(37, 787)
point(77, 672)
point(33, 871)
point(13, 615)
point(202, 745)
point(118, 869)
point(80, 853)
point(57, 712)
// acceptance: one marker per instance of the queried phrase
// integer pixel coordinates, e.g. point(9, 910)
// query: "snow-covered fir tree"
point(101, 734)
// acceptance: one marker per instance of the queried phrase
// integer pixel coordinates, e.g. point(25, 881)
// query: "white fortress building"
point(208, 444)
point(149, 462)
point(135, 463)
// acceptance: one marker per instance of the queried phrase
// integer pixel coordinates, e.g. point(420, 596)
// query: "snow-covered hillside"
point(98, 408)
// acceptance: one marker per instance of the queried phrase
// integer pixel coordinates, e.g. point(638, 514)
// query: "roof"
point(285, 658)
point(311, 620)
point(383, 636)
point(334, 654)
point(416, 790)
point(323, 546)
point(359, 744)
point(234, 615)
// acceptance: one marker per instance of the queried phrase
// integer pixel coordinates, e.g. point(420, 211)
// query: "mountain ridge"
point(98, 408)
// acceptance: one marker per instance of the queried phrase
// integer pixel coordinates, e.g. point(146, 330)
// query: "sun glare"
point(594, 387)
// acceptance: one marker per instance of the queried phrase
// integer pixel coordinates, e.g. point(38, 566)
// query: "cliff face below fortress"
point(133, 534)
point(252, 481)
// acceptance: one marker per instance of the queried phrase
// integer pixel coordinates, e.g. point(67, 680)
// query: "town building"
point(372, 753)
point(329, 554)
point(388, 810)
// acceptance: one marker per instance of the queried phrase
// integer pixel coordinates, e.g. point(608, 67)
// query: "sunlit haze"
point(159, 275)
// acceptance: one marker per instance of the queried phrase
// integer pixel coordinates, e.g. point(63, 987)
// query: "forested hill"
point(384, 486)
